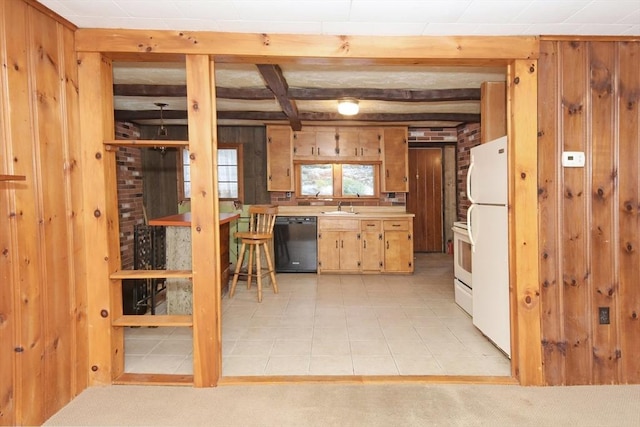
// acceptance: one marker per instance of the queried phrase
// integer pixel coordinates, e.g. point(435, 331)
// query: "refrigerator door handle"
point(469, 182)
point(469, 227)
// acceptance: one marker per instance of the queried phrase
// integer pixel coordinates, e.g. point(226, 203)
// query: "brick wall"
point(280, 198)
point(129, 176)
point(437, 135)
point(468, 137)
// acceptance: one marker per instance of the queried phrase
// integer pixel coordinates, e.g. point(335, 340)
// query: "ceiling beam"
point(133, 116)
point(272, 75)
point(308, 94)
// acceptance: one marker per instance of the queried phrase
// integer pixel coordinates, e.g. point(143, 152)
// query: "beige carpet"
point(354, 405)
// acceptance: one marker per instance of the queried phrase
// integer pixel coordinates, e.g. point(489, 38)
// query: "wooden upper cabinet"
point(370, 140)
point(314, 144)
point(493, 111)
point(395, 160)
point(279, 159)
point(359, 144)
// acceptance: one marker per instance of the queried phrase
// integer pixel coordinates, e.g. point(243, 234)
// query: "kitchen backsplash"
point(281, 198)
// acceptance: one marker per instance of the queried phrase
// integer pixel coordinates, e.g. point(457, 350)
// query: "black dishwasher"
point(295, 244)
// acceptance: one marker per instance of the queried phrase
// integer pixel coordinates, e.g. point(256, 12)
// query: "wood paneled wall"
point(43, 340)
point(589, 218)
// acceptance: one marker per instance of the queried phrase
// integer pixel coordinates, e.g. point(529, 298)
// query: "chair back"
point(262, 218)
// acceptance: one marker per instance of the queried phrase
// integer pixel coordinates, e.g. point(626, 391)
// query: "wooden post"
point(205, 221)
point(100, 215)
point(526, 359)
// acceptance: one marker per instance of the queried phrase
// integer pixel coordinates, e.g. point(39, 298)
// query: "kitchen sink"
point(339, 213)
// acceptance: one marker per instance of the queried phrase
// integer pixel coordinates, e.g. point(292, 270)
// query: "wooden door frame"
point(202, 50)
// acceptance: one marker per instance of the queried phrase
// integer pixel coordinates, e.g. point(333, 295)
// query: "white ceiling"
point(344, 17)
point(361, 17)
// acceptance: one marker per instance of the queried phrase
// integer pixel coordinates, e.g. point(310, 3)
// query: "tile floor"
point(336, 325)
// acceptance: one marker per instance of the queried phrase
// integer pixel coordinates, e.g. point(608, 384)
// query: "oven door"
point(462, 256)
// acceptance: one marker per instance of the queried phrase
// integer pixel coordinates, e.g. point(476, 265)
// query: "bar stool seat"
point(261, 221)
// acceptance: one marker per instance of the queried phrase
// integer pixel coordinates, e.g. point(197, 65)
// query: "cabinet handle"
point(287, 171)
point(395, 225)
point(365, 244)
point(387, 173)
point(361, 151)
point(336, 244)
point(356, 151)
point(342, 243)
point(387, 244)
point(312, 150)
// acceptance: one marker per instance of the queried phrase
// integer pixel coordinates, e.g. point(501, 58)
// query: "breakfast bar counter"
point(178, 257)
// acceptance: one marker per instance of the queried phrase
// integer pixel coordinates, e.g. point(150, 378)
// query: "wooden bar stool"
point(261, 221)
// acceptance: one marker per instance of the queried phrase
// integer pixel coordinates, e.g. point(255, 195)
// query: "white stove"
point(462, 267)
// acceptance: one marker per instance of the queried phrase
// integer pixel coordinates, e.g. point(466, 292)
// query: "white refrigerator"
point(487, 182)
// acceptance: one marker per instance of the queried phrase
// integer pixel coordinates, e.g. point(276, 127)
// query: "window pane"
point(227, 173)
point(227, 156)
point(185, 156)
point(316, 180)
point(227, 190)
point(186, 170)
point(358, 180)
point(187, 190)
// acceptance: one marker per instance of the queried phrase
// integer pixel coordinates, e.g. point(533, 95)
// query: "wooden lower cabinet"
point(398, 246)
point(365, 245)
point(371, 245)
point(338, 245)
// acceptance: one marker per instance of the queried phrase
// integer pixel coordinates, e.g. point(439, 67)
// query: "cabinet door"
point(398, 252)
point(325, 147)
point(395, 161)
point(369, 140)
point(279, 159)
point(398, 245)
point(350, 251)
point(329, 251)
point(304, 144)
point(371, 244)
point(348, 144)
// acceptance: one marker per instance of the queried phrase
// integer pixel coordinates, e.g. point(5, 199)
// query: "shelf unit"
point(12, 178)
point(152, 321)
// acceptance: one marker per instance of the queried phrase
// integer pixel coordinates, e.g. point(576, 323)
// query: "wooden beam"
point(133, 116)
point(308, 94)
point(297, 47)
point(276, 82)
point(372, 94)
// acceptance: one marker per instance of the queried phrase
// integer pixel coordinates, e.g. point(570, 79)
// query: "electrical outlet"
point(603, 315)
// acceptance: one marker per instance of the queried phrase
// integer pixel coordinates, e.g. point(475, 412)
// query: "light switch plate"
point(573, 159)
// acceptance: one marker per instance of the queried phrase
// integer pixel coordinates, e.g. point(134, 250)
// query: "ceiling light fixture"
point(348, 106)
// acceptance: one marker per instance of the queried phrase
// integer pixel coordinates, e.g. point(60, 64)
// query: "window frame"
point(337, 181)
point(226, 146)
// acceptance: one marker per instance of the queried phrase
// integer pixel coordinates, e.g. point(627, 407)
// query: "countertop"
point(184, 219)
point(361, 212)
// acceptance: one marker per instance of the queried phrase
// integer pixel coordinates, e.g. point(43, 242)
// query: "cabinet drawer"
point(396, 225)
point(338, 224)
point(370, 225)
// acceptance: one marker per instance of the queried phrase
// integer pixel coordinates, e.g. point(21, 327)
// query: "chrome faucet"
point(339, 206)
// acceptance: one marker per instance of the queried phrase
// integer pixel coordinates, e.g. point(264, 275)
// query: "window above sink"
point(335, 180)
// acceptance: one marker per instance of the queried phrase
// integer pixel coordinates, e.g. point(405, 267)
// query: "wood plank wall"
point(42, 329)
point(589, 218)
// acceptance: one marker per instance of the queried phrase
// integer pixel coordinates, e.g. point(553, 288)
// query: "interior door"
point(425, 198)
